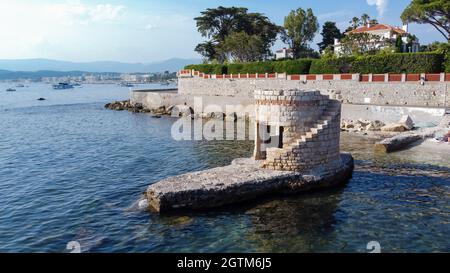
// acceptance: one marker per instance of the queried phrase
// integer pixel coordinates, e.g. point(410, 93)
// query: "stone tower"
point(297, 130)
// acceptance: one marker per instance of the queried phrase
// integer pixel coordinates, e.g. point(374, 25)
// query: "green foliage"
point(398, 63)
point(447, 62)
point(433, 12)
point(329, 33)
point(331, 65)
point(444, 48)
point(428, 62)
point(219, 23)
point(399, 44)
point(209, 68)
point(241, 47)
point(363, 43)
point(300, 28)
point(436, 46)
point(364, 20)
point(251, 68)
point(299, 66)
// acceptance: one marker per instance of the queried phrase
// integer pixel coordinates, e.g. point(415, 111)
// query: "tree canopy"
point(300, 28)
point(329, 33)
point(242, 47)
point(364, 20)
point(218, 24)
point(433, 12)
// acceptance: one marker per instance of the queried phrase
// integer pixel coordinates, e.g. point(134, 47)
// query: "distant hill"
point(32, 65)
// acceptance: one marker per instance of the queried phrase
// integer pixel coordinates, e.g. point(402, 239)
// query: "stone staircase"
point(310, 148)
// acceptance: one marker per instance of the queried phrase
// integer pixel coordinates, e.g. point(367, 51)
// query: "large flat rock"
point(243, 180)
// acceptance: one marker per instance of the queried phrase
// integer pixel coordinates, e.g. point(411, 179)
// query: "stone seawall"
point(428, 94)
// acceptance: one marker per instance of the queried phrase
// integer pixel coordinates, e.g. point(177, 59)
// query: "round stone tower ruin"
point(297, 130)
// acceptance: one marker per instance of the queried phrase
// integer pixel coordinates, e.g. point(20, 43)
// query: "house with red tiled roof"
point(385, 32)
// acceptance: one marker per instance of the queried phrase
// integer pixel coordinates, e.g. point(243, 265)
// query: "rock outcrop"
point(360, 125)
point(241, 181)
point(135, 108)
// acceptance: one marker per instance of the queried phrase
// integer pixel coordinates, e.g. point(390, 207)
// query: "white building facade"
point(285, 53)
point(383, 31)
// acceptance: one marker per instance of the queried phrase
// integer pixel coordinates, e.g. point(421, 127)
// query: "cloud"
point(29, 29)
point(77, 12)
point(380, 4)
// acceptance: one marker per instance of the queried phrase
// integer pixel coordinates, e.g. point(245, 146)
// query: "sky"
point(149, 30)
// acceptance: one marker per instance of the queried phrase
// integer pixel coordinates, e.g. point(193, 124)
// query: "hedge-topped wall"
point(399, 63)
point(331, 65)
point(428, 62)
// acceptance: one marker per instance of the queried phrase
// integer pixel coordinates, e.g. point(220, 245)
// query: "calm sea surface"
point(71, 170)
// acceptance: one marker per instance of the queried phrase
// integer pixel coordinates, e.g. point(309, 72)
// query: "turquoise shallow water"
point(71, 171)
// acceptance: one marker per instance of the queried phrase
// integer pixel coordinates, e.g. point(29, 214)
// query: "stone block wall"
point(310, 131)
point(415, 94)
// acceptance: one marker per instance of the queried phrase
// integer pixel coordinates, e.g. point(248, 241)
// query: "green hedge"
point(291, 67)
point(332, 65)
point(251, 68)
point(209, 68)
point(428, 62)
point(447, 62)
point(300, 66)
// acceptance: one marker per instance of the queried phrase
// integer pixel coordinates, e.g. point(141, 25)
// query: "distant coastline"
point(48, 76)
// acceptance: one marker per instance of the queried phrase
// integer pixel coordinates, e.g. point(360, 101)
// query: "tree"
point(373, 22)
point(355, 23)
point(219, 23)
point(329, 33)
point(242, 47)
point(433, 12)
point(300, 27)
point(410, 41)
point(207, 50)
point(436, 47)
point(365, 19)
point(399, 44)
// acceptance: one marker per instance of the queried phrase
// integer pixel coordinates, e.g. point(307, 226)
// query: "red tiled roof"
point(378, 27)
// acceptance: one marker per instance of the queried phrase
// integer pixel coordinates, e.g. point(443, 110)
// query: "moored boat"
point(10, 90)
point(126, 84)
point(62, 85)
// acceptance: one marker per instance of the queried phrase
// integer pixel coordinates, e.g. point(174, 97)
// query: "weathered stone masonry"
point(412, 93)
point(305, 126)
